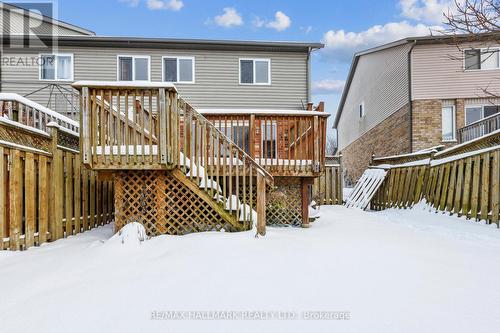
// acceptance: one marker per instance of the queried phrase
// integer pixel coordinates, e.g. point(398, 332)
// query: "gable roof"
point(46, 19)
point(420, 40)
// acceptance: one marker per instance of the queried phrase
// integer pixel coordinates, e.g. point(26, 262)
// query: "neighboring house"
point(417, 93)
point(257, 93)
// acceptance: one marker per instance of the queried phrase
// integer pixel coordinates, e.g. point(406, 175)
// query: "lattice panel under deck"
point(284, 202)
point(163, 204)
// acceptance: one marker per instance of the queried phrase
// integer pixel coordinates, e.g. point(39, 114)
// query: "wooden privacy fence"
point(466, 184)
point(45, 192)
point(327, 188)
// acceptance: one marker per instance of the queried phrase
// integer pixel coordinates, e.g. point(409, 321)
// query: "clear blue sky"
point(344, 26)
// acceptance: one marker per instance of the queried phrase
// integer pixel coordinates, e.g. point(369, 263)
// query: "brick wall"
point(426, 116)
point(390, 137)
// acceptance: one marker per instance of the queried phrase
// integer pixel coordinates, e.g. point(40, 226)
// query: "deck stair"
point(128, 127)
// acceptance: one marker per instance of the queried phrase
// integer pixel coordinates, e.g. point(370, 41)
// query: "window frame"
point(56, 54)
point(268, 60)
point(139, 56)
point(361, 110)
point(177, 57)
point(481, 50)
point(476, 106)
point(454, 123)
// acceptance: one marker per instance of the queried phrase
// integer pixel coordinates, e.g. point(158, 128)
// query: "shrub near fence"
point(45, 193)
point(466, 184)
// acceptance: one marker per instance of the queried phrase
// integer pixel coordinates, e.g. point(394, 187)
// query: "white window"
point(448, 123)
point(269, 140)
point(255, 71)
point(487, 58)
point(361, 110)
point(178, 69)
point(133, 68)
point(478, 112)
point(56, 67)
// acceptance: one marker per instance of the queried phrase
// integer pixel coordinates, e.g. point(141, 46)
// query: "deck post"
point(85, 131)
point(251, 140)
point(305, 201)
point(261, 204)
point(163, 127)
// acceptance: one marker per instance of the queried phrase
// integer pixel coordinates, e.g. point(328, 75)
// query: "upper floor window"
point(255, 71)
point(133, 68)
point(488, 58)
point(57, 67)
point(178, 69)
point(448, 123)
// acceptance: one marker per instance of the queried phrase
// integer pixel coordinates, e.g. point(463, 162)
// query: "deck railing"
point(128, 126)
point(28, 113)
point(479, 128)
point(284, 144)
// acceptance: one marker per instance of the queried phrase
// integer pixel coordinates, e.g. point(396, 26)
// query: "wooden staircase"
point(128, 127)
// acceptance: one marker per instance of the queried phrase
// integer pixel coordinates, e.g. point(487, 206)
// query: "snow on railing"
point(29, 113)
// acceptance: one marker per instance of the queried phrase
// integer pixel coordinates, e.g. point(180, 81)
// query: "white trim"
point(56, 54)
point(268, 60)
point(133, 56)
point(454, 123)
point(193, 66)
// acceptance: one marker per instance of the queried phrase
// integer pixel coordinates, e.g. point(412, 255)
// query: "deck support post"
point(305, 201)
point(85, 131)
point(261, 204)
point(56, 189)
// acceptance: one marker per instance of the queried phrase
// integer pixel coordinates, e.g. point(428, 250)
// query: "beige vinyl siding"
point(216, 76)
point(436, 76)
point(380, 82)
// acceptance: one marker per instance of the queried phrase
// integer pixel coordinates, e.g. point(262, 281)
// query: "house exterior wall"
point(216, 76)
point(380, 82)
point(389, 137)
point(437, 75)
point(17, 22)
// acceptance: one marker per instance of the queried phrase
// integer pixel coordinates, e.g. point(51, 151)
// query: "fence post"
point(56, 188)
point(261, 204)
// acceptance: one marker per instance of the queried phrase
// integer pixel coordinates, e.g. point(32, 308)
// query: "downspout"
point(308, 78)
point(410, 105)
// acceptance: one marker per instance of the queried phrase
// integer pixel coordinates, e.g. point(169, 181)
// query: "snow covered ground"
point(393, 271)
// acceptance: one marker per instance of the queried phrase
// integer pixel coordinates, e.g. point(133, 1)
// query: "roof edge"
point(49, 20)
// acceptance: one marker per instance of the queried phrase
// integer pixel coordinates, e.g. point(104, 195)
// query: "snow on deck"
point(394, 271)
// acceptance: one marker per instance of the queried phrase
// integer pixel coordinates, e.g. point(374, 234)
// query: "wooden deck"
point(127, 126)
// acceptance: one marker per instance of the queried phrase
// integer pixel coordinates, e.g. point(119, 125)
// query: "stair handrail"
point(248, 159)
